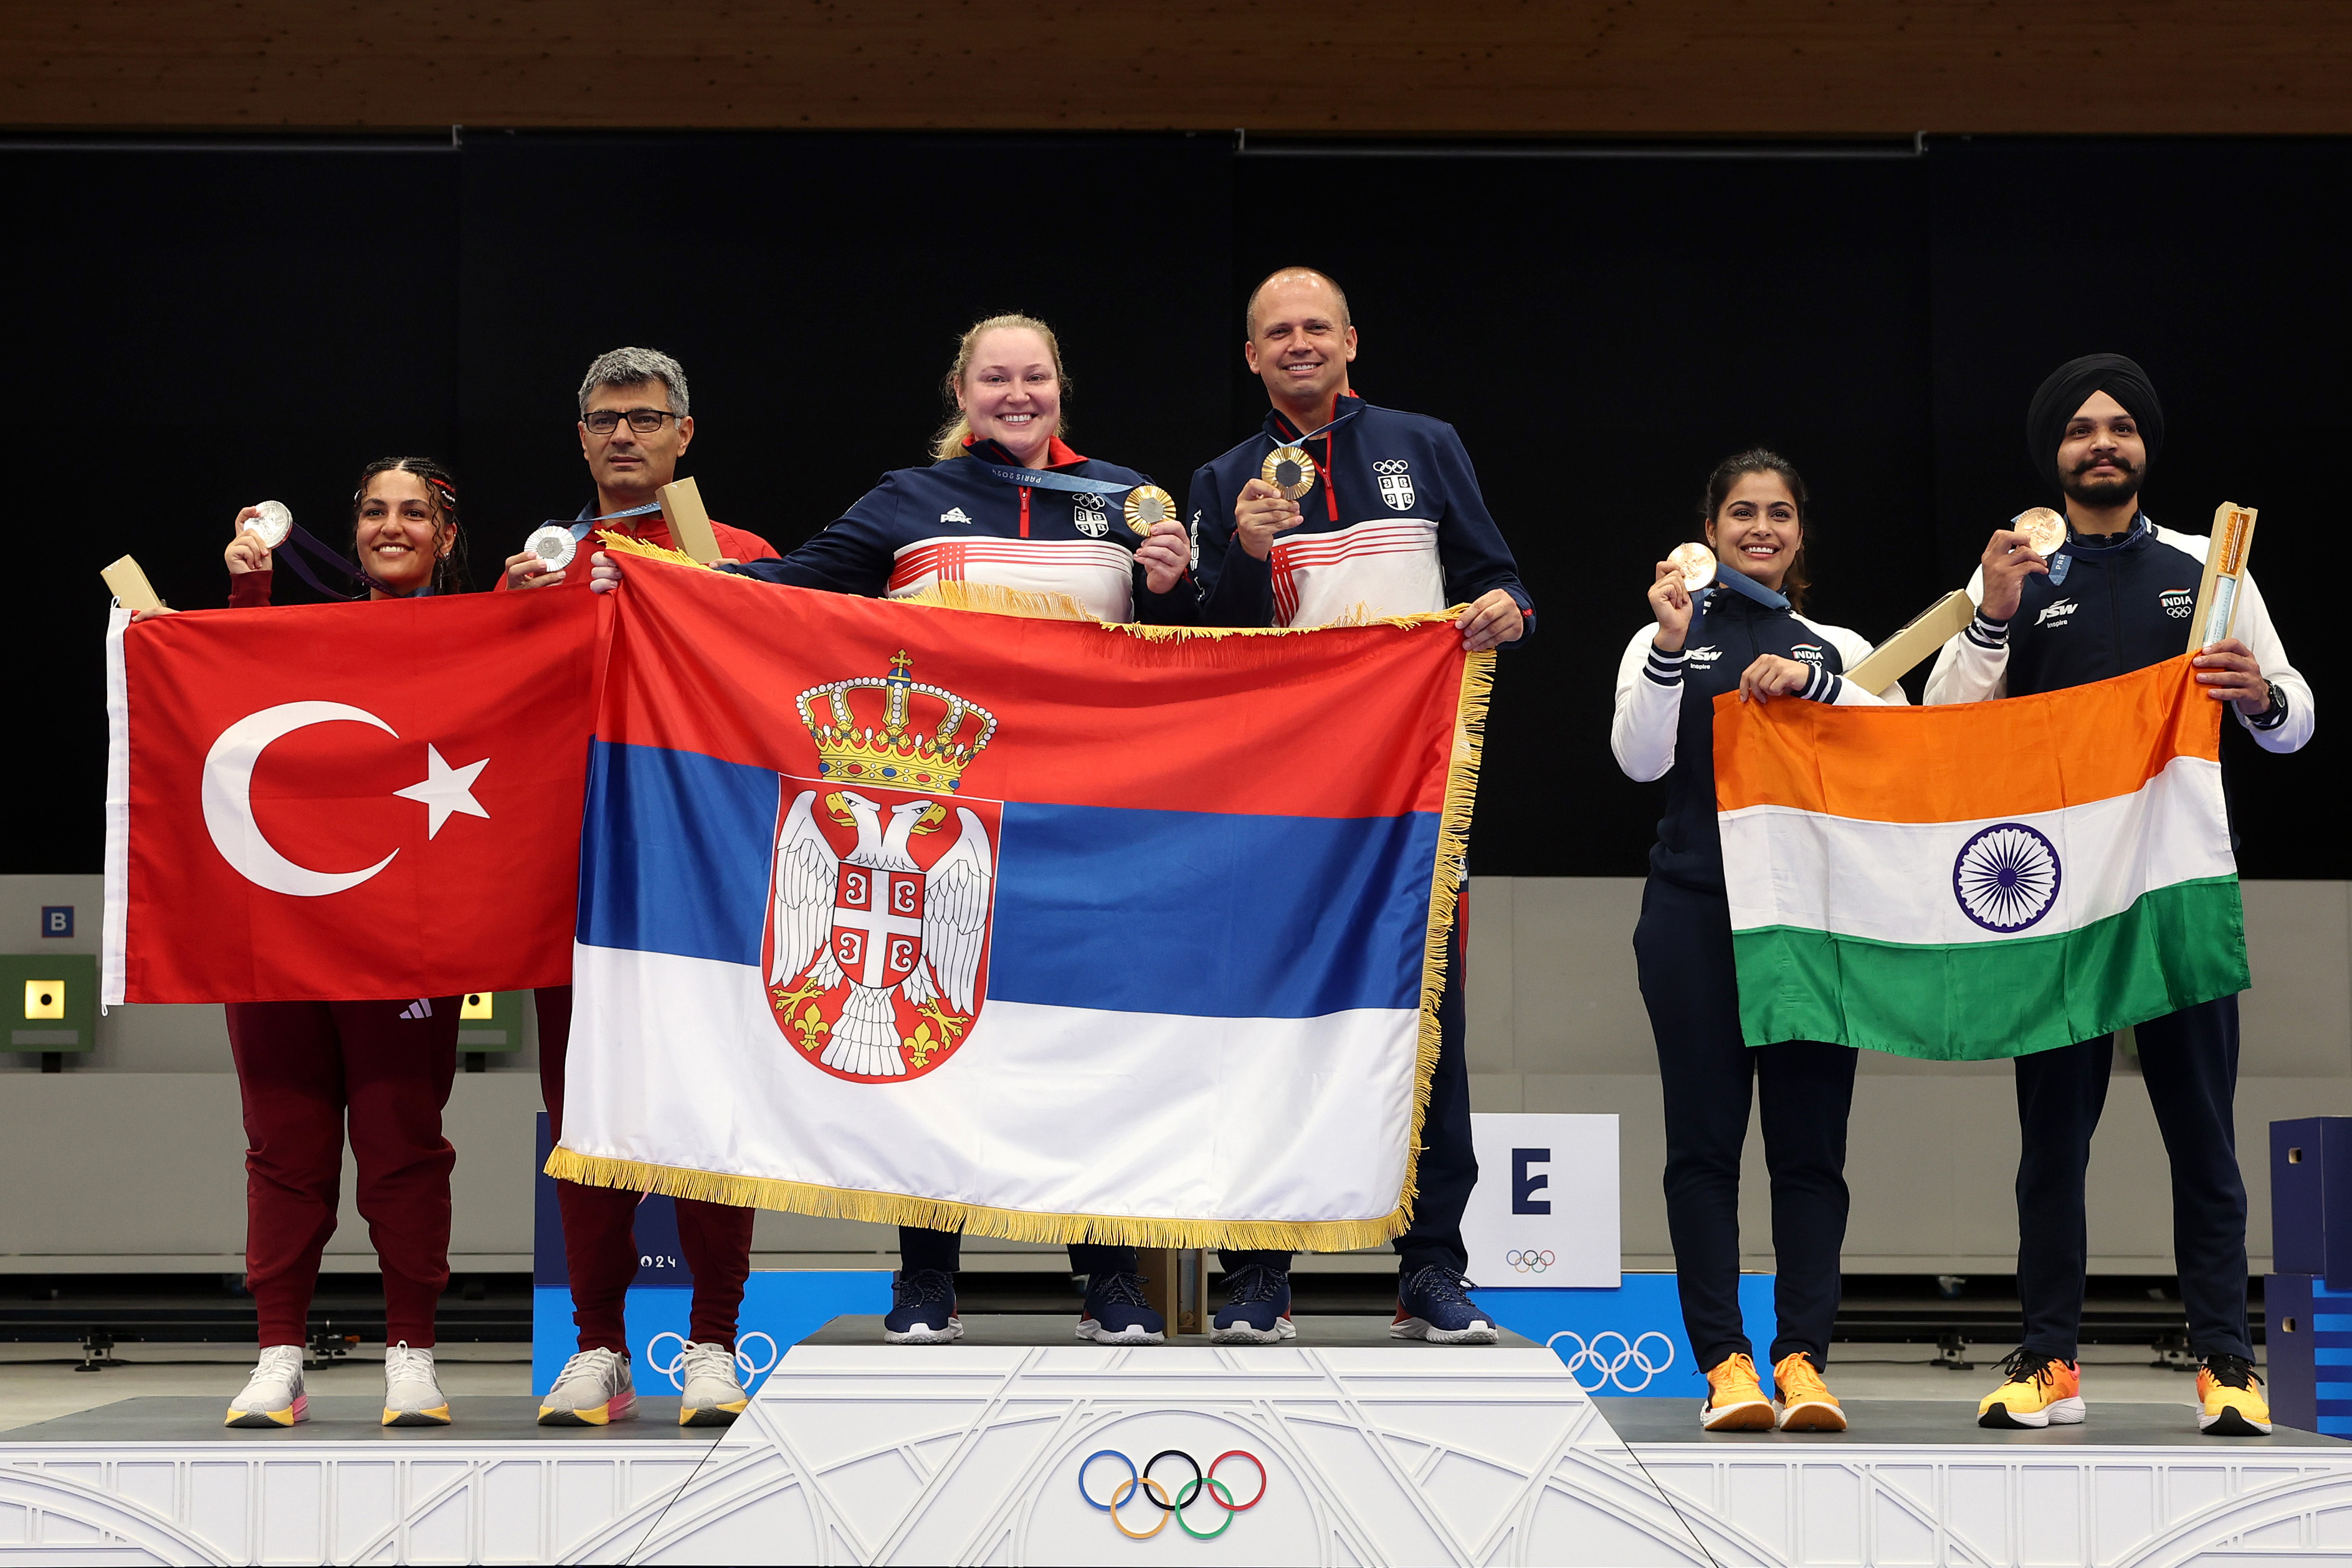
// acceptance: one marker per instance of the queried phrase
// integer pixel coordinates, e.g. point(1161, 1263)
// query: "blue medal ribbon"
point(1038, 479)
point(305, 542)
point(580, 526)
point(1319, 431)
point(1741, 584)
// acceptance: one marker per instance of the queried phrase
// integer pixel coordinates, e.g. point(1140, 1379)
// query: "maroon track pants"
point(599, 1248)
point(303, 1069)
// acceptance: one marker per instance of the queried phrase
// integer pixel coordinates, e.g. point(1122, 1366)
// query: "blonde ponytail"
point(952, 436)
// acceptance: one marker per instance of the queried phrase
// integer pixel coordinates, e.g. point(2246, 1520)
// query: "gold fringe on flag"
point(972, 1219)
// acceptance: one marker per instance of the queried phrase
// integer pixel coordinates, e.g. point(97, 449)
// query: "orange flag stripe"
point(1968, 761)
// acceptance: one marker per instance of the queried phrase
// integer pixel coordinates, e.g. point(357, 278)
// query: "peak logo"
point(955, 514)
point(2057, 612)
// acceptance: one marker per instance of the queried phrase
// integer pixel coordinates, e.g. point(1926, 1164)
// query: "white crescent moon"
point(229, 799)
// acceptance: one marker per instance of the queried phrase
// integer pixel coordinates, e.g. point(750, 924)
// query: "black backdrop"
point(201, 327)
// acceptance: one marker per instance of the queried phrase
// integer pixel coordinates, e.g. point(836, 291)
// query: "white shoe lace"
point(280, 1367)
point(595, 1364)
point(403, 1363)
point(715, 1361)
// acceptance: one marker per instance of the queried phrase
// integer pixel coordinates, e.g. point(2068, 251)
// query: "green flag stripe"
point(1974, 1001)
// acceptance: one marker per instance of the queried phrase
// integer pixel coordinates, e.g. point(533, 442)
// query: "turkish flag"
point(342, 801)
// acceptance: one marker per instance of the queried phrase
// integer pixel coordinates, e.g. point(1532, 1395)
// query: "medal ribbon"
point(1038, 479)
point(580, 526)
point(1320, 430)
point(333, 560)
point(1741, 584)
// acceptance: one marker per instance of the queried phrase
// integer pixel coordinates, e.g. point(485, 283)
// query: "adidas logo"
point(422, 1007)
point(955, 514)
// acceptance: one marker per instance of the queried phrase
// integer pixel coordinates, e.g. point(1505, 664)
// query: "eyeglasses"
point(643, 421)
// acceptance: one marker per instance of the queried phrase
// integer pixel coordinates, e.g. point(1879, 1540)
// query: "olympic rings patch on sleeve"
point(1188, 1492)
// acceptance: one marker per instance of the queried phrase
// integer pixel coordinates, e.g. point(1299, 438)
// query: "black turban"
point(2070, 386)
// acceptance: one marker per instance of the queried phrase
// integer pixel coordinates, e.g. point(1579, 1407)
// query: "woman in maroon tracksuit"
point(304, 1069)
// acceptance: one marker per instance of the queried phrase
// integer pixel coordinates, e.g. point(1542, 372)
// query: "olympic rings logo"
point(1141, 1483)
point(1612, 1368)
point(1529, 1261)
point(1388, 466)
point(746, 1369)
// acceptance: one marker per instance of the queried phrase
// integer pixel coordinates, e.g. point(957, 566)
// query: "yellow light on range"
point(478, 1005)
point(45, 999)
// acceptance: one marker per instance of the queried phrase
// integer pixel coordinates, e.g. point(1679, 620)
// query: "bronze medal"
point(1289, 470)
point(1148, 504)
point(1695, 562)
point(2044, 529)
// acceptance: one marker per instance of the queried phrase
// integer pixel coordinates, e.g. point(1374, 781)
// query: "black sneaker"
point(922, 1309)
point(1257, 1308)
point(1434, 1304)
point(1117, 1313)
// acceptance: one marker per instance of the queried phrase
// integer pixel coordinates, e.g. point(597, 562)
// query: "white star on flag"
point(446, 789)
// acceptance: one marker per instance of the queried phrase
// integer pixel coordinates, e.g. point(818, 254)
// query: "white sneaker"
point(592, 1388)
point(273, 1396)
point(411, 1395)
point(714, 1396)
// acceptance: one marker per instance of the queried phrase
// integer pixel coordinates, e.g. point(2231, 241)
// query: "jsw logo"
point(1702, 656)
point(2058, 611)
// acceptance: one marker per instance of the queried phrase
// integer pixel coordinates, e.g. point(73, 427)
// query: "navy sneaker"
point(1257, 1308)
point(1116, 1313)
point(1432, 1305)
point(922, 1309)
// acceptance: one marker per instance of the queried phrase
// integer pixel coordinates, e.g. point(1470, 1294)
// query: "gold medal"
point(1695, 562)
point(2044, 529)
point(1289, 470)
point(1148, 504)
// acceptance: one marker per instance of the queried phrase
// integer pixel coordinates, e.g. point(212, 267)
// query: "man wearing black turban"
point(2117, 597)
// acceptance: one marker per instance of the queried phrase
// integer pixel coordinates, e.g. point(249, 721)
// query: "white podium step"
point(1372, 1452)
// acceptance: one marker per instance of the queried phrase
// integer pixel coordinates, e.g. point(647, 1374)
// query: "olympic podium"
point(1342, 1447)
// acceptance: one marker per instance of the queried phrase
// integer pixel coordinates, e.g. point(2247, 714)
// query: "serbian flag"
point(339, 801)
point(1979, 880)
point(1046, 929)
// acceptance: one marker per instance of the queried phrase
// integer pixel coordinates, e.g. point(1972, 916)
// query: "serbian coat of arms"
point(1396, 482)
point(884, 886)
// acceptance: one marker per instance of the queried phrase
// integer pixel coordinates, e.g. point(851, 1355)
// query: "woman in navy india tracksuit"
point(958, 519)
point(1748, 635)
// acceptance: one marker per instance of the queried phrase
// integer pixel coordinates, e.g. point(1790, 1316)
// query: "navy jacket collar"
point(1278, 425)
point(2136, 537)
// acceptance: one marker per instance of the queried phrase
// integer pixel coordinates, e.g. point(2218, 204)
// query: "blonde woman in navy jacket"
point(1004, 501)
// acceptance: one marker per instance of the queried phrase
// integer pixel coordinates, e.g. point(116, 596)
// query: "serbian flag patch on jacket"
point(1983, 879)
point(339, 803)
point(1041, 928)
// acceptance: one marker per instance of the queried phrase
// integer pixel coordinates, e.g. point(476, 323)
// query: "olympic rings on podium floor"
point(747, 1369)
point(1612, 1367)
point(1529, 1261)
point(1142, 1483)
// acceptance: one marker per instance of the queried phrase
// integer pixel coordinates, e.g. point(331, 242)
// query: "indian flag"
point(1979, 880)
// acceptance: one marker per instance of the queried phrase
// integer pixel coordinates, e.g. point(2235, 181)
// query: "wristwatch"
point(2274, 716)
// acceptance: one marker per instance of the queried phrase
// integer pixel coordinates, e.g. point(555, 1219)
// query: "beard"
point(2105, 491)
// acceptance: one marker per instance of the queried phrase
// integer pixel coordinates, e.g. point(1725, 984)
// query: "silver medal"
point(272, 526)
point(552, 544)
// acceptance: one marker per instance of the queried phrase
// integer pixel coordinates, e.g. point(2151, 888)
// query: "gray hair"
point(634, 367)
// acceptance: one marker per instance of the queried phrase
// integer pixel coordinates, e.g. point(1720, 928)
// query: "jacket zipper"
point(1024, 511)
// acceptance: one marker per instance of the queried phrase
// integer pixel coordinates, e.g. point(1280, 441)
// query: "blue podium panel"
point(1629, 1340)
point(2311, 1196)
point(2307, 1330)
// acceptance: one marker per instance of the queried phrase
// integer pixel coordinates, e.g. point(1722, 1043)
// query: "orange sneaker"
point(2041, 1391)
point(2228, 1398)
point(1806, 1403)
point(1735, 1398)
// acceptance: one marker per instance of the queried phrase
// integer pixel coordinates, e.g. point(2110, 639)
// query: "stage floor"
point(1943, 1424)
point(350, 1418)
point(1057, 1329)
point(1365, 1449)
